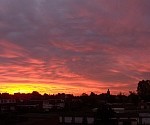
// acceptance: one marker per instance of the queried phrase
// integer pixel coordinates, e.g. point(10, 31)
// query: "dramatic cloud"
point(74, 46)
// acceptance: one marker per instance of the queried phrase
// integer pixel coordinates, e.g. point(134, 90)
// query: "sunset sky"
point(74, 46)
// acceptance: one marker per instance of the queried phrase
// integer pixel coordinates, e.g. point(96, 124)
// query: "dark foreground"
point(29, 119)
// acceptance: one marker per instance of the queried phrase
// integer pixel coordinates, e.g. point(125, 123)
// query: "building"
point(29, 106)
point(53, 104)
point(83, 119)
point(7, 105)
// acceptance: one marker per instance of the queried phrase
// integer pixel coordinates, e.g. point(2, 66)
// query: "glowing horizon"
point(41, 88)
point(12, 88)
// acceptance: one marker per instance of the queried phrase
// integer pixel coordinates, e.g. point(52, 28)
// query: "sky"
point(74, 46)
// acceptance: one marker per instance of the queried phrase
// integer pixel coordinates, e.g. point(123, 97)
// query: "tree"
point(84, 94)
point(36, 95)
point(92, 94)
point(143, 89)
point(133, 97)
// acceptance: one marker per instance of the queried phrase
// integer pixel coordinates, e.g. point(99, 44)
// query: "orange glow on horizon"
point(28, 88)
point(12, 88)
point(15, 88)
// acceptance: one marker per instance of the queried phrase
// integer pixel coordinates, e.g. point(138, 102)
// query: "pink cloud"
point(10, 50)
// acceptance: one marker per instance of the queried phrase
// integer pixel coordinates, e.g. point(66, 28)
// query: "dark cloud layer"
point(93, 45)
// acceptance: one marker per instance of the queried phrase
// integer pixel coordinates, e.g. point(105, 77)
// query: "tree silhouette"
point(133, 97)
point(36, 95)
point(143, 89)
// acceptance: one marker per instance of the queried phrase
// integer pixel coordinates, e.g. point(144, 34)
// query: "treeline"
point(142, 93)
